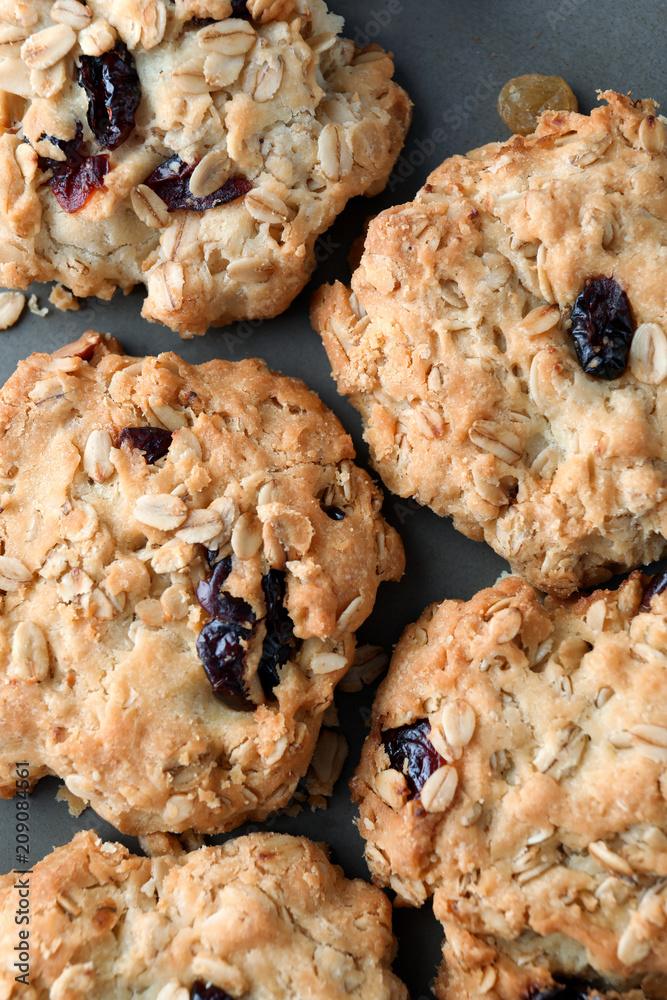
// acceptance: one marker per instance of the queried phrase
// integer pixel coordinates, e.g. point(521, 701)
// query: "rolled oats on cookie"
point(197, 147)
point(505, 340)
point(516, 771)
point(186, 555)
point(265, 915)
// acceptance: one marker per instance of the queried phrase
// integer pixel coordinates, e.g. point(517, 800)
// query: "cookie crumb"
point(11, 307)
point(34, 307)
point(75, 805)
point(63, 299)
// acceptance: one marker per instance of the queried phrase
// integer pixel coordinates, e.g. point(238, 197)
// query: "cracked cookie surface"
point(226, 146)
point(516, 771)
point(153, 513)
point(263, 915)
point(454, 344)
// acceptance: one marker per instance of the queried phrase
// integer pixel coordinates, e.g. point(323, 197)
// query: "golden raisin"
point(523, 99)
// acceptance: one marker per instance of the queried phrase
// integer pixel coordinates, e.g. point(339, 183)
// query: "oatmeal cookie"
point(517, 772)
point(199, 147)
point(266, 915)
point(187, 552)
point(455, 344)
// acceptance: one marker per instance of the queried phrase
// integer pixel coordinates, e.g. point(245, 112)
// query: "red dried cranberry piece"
point(153, 441)
point(412, 753)
point(335, 513)
point(202, 990)
point(239, 9)
point(75, 179)
point(656, 585)
point(602, 328)
point(220, 605)
point(171, 181)
point(114, 92)
point(221, 649)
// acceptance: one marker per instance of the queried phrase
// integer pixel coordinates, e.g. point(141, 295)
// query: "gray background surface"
point(453, 58)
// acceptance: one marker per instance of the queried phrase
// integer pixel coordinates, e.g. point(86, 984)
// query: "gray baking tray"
point(453, 58)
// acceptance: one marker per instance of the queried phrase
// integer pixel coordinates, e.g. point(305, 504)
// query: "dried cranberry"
point(220, 605)
point(602, 328)
point(655, 586)
point(153, 441)
point(114, 92)
point(412, 753)
point(221, 649)
point(335, 513)
point(239, 9)
point(74, 179)
point(279, 640)
point(171, 181)
point(202, 990)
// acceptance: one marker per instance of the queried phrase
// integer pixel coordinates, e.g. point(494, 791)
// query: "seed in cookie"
point(154, 442)
point(654, 587)
point(412, 753)
point(524, 98)
point(113, 90)
point(602, 328)
point(171, 181)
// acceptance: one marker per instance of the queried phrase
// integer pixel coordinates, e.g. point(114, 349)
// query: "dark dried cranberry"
point(279, 641)
point(221, 649)
point(153, 441)
point(220, 605)
point(201, 22)
point(239, 9)
point(655, 586)
point(74, 179)
point(171, 181)
point(602, 328)
point(335, 513)
point(114, 92)
point(412, 753)
point(202, 990)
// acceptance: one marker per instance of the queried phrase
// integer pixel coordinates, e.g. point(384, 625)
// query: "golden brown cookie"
point(455, 344)
point(187, 552)
point(199, 147)
point(265, 915)
point(516, 771)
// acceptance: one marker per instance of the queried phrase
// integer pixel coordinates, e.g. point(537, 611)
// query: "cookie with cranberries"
point(178, 603)
point(199, 147)
point(265, 915)
point(505, 340)
point(516, 772)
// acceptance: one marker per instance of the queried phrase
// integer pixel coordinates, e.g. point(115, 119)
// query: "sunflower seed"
point(30, 654)
point(630, 949)
point(497, 440)
point(458, 723)
point(439, 789)
point(609, 860)
point(546, 290)
point(149, 207)
point(71, 12)
point(652, 134)
point(348, 616)
point(160, 510)
point(211, 173)
point(47, 47)
point(488, 980)
point(228, 38)
point(620, 739)
point(265, 206)
point(648, 354)
point(603, 696)
point(11, 307)
point(334, 153)
point(96, 456)
point(246, 536)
